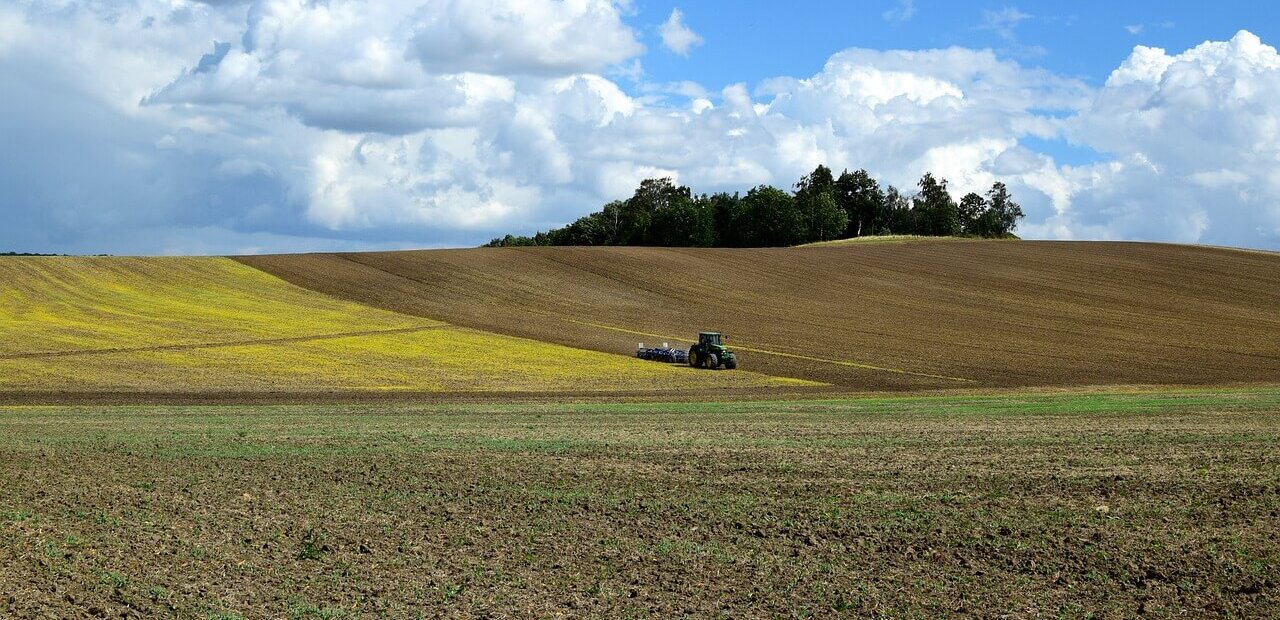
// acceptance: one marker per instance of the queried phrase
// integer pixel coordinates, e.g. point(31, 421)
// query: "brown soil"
point(1108, 506)
point(901, 316)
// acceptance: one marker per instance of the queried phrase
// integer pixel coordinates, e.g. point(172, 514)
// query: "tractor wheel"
point(693, 358)
point(713, 362)
point(731, 364)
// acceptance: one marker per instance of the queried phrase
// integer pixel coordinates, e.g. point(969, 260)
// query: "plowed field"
point(212, 326)
point(1159, 505)
point(886, 316)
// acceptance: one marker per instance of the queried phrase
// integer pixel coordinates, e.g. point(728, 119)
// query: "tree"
point(610, 219)
point(972, 209)
point(860, 197)
point(1002, 213)
point(727, 220)
point(587, 230)
point(935, 211)
point(820, 181)
point(511, 241)
point(898, 218)
point(822, 207)
point(638, 212)
point(816, 199)
point(772, 218)
point(684, 223)
point(824, 219)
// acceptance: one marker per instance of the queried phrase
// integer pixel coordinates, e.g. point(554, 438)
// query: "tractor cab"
point(710, 352)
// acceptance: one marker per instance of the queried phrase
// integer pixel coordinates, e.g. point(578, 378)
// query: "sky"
point(238, 127)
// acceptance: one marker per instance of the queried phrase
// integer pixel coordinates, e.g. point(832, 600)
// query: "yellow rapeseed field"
point(212, 324)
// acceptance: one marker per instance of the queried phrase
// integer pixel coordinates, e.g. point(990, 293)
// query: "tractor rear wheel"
point(693, 358)
point(713, 362)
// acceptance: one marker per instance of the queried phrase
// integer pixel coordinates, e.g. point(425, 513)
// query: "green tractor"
point(710, 352)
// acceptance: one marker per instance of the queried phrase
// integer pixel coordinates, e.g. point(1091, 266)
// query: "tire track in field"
point(224, 344)
point(809, 358)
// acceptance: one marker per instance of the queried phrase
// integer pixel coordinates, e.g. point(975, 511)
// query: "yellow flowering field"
point(213, 324)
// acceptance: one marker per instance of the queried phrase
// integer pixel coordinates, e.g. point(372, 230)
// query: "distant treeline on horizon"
point(822, 207)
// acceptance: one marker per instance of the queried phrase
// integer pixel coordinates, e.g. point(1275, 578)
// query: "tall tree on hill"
point(1002, 213)
point(935, 211)
point(684, 222)
point(728, 219)
point(898, 219)
point(824, 219)
point(860, 197)
point(610, 219)
point(772, 218)
point(972, 209)
point(816, 199)
point(820, 181)
point(638, 212)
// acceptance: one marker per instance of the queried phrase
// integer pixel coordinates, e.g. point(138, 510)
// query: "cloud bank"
point(154, 126)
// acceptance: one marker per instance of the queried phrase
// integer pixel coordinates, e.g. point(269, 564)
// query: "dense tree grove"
point(821, 207)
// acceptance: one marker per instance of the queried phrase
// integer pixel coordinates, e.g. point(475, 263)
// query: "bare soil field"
point(904, 315)
point(1069, 505)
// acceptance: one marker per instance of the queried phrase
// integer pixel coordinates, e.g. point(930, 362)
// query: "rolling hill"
point(861, 316)
point(214, 326)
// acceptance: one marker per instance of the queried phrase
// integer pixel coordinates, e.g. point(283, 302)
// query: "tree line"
point(821, 207)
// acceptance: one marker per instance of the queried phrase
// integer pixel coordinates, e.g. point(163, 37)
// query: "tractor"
point(710, 352)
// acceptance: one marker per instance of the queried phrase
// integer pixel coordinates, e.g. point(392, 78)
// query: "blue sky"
point(1082, 39)
point(242, 126)
point(1085, 39)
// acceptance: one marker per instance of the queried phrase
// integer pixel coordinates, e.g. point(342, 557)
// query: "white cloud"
point(298, 56)
point(299, 125)
point(1196, 139)
point(530, 36)
point(676, 36)
point(1134, 29)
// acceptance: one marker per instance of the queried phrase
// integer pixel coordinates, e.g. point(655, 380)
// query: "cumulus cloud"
point(530, 36)
point(676, 36)
point(1195, 138)
point(291, 125)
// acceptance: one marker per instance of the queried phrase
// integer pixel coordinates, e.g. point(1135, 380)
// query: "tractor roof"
point(708, 333)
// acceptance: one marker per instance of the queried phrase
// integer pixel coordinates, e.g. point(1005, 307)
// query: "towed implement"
point(664, 353)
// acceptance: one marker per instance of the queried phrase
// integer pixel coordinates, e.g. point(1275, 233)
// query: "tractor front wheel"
point(713, 362)
point(731, 364)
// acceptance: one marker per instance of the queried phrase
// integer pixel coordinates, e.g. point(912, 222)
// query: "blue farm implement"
point(664, 353)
